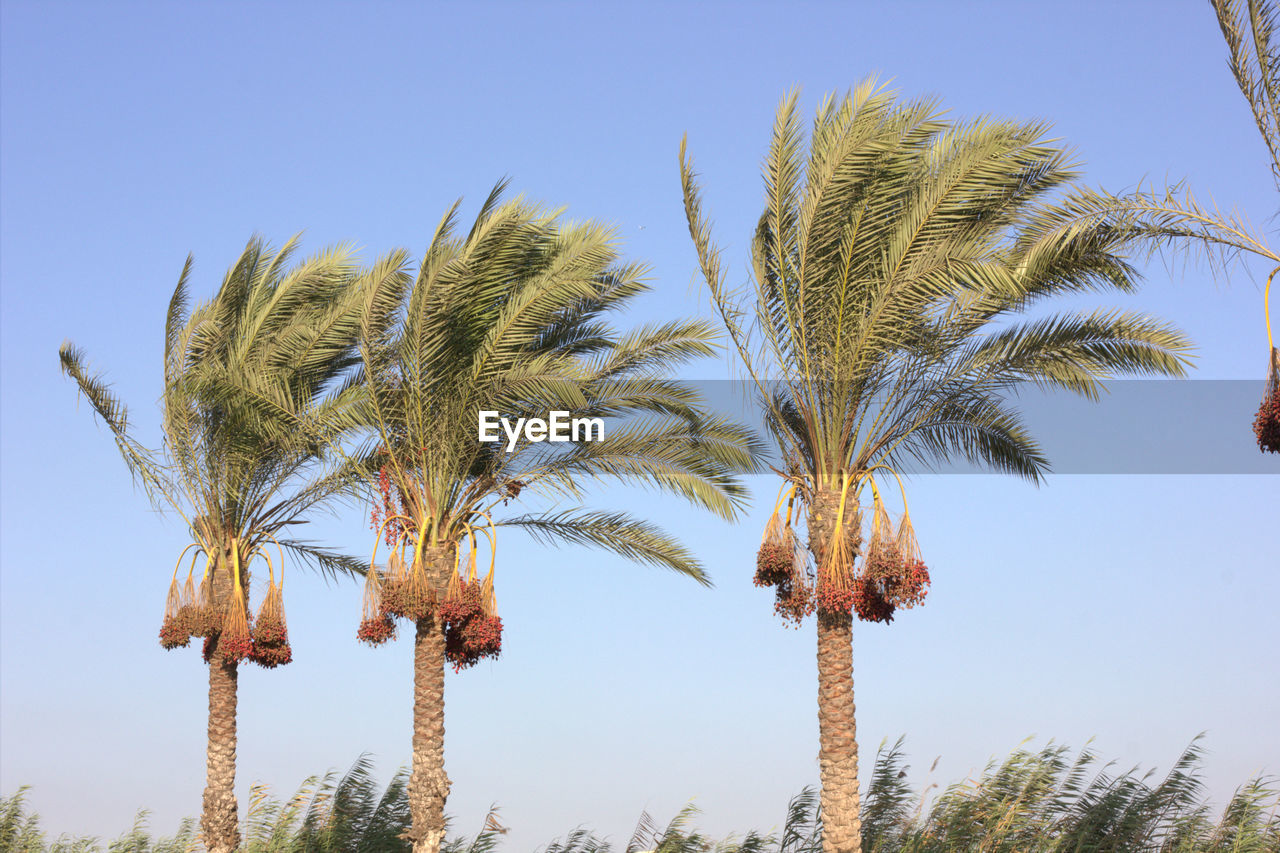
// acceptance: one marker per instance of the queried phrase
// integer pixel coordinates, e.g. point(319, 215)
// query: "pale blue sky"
point(1137, 609)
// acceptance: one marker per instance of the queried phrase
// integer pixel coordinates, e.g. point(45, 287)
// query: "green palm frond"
point(620, 533)
point(1172, 218)
point(693, 459)
point(1248, 28)
point(146, 470)
point(329, 562)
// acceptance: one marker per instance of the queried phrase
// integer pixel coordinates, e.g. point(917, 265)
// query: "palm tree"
point(511, 318)
point(253, 398)
point(888, 270)
point(1175, 219)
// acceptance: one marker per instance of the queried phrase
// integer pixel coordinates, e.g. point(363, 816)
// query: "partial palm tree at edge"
point(1175, 220)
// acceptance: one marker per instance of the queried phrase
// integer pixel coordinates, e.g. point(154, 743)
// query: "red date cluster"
point(472, 631)
point(1266, 426)
point(833, 601)
point(377, 630)
point(270, 631)
point(776, 567)
point(191, 620)
point(271, 657)
point(792, 603)
point(270, 642)
point(203, 620)
point(235, 645)
point(265, 643)
point(391, 504)
point(462, 605)
point(470, 634)
point(773, 564)
point(883, 562)
point(233, 650)
point(408, 597)
point(479, 638)
point(909, 588)
point(885, 583)
point(173, 633)
point(869, 602)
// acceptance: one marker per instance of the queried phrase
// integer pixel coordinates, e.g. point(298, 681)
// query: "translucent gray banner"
point(1137, 427)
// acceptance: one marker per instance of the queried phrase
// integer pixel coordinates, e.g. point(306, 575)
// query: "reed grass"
point(1045, 800)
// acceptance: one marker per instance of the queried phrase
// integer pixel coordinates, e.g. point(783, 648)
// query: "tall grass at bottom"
point(1033, 801)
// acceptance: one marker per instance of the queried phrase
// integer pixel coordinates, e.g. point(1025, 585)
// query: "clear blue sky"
point(1140, 610)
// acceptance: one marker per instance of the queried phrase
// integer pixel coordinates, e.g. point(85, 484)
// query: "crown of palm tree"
point(889, 268)
point(258, 384)
point(513, 318)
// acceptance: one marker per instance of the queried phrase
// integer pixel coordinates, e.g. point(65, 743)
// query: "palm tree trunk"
point(428, 783)
point(837, 729)
point(837, 739)
point(219, 823)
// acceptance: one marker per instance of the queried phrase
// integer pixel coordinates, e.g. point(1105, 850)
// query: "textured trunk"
point(837, 730)
point(219, 823)
point(837, 739)
point(428, 784)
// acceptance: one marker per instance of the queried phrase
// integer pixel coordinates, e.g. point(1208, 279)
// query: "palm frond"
point(1248, 28)
point(622, 534)
point(147, 471)
point(329, 562)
